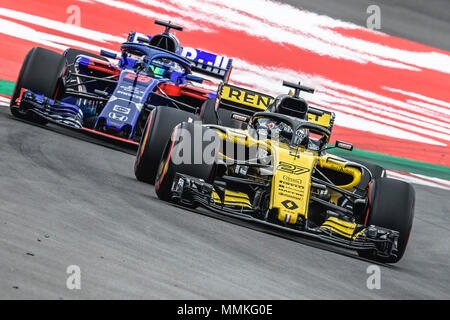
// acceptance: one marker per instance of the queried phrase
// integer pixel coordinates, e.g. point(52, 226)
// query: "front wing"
point(63, 114)
point(187, 190)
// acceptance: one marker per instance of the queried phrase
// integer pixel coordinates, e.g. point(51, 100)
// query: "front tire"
point(391, 207)
point(182, 141)
point(41, 72)
point(157, 131)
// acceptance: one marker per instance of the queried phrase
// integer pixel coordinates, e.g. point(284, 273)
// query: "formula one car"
point(277, 172)
point(85, 91)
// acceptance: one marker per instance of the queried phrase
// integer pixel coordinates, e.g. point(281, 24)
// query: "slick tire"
point(208, 113)
point(190, 161)
point(391, 206)
point(157, 131)
point(41, 72)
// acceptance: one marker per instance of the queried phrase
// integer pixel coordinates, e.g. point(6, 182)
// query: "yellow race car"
point(273, 168)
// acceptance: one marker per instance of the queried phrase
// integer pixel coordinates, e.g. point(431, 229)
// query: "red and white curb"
point(419, 179)
point(4, 100)
point(390, 95)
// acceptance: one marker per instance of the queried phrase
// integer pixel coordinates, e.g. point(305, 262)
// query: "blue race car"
point(84, 91)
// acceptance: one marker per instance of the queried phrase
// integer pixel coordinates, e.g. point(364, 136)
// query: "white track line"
point(419, 179)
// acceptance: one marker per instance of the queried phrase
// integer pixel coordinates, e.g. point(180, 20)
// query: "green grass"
point(6, 87)
point(396, 163)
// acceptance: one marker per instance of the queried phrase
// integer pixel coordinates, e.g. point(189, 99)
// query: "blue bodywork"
point(116, 99)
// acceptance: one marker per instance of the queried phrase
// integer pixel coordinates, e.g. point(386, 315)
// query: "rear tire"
point(208, 113)
point(181, 141)
point(157, 131)
point(41, 72)
point(391, 207)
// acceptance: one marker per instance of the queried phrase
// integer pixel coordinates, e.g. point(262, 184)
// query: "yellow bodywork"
point(291, 174)
point(258, 101)
point(343, 228)
point(233, 198)
point(291, 168)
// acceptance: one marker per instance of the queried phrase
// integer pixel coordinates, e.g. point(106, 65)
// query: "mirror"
point(343, 145)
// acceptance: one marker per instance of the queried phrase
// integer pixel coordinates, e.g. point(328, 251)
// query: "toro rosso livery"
point(277, 172)
point(86, 91)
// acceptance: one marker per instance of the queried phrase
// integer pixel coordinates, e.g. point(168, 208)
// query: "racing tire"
point(157, 130)
point(208, 113)
point(222, 117)
point(391, 206)
point(181, 141)
point(41, 72)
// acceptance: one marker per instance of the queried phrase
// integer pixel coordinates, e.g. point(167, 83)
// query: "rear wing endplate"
point(242, 100)
point(247, 102)
point(321, 117)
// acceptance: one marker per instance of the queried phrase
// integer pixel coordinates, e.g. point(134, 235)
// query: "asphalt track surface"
point(423, 21)
point(66, 201)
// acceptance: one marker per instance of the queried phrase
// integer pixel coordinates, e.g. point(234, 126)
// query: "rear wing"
point(208, 63)
point(242, 100)
point(243, 103)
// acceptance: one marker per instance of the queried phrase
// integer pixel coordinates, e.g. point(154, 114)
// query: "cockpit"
point(160, 67)
point(158, 56)
point(286, 120)
point(279, 130)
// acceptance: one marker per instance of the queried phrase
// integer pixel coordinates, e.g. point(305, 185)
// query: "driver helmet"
point(274, 129)
point(157, 70)
point(169, 67)
point(301, 137)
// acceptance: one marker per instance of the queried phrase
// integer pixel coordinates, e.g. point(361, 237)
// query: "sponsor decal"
point(290, 188)
point(294, 153)
point(246, 97)
point(240, 117)
point(139, 78)
point(206, 61)
point(289, 204)
point(124, 93)
point(292, 180)
point(291, 168)
point(132, 89)
point(121, 109)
